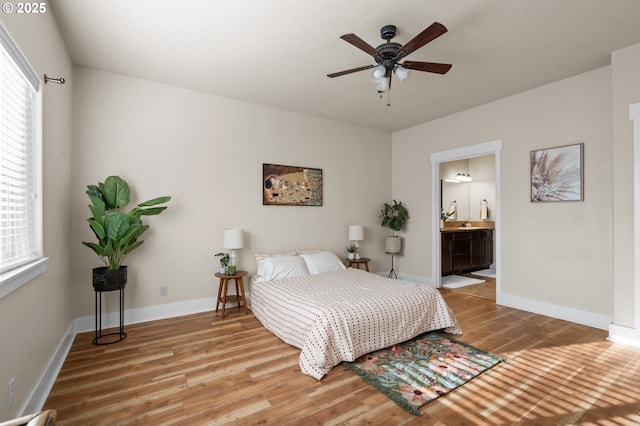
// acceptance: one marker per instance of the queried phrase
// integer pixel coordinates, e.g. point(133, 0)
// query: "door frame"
point(488, 148)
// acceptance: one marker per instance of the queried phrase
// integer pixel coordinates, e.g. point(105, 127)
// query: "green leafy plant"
point(445, 215)
point(118, 233)
point(352, 248)
point(224, 259)
point(394, 216)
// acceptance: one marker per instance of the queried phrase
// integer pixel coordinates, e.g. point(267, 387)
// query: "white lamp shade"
point(233, 238)
point(383, 85)
point(356, 233)
point(401, 72)
point(377, 73)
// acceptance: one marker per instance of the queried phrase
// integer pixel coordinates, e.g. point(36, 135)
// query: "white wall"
point(626, 91)
point(566, 246)
point(34, 318)
point(207, 153)
point(483, 186)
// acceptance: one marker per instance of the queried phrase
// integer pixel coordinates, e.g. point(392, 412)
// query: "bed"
point(333, 314)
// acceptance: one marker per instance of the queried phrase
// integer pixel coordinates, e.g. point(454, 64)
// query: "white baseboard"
point(38, 396)
point(578, 316)
point(417, 279)
point(409, 277)
point(624, 335)
point(555, 311)
point(150, 313)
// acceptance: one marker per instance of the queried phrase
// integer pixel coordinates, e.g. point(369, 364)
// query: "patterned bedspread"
point(338, 316)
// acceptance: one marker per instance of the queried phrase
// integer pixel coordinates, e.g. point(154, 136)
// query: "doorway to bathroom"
point(467, 202)
point(467, 207)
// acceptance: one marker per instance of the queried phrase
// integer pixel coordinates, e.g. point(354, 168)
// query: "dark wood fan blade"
point(432, 32)
point(338, 74)
point(427, 66)
point(360, 44)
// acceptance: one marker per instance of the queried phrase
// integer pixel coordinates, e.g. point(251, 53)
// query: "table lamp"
point(233, 240)
point(356, 234)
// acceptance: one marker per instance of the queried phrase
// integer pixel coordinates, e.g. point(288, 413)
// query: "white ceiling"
point(278, 52)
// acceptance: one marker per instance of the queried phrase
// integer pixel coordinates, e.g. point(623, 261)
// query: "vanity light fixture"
point(463, 177)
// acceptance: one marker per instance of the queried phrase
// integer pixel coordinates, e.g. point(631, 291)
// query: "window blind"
point(19, 221)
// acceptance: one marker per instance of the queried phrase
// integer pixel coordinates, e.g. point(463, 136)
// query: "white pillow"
point(261, 256)
point(323, 261)
point(278, 267)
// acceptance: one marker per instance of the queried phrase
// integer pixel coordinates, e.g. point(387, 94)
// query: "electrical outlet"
point(12, 392)
point(542, 287)
point(164, 290)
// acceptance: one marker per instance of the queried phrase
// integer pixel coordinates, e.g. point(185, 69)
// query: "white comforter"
point(341, 315)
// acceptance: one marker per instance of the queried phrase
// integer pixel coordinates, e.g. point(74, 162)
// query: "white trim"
point(150, 313)
point(537, 307)
point(634, 114)
point(556, 311)
point(487, 148)
point(39, 394)
point(16, 278)
point(619, 333)
point(416, 279)
point(624, 335)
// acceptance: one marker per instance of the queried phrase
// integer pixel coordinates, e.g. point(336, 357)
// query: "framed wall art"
point(291, 185)
point(557, 174)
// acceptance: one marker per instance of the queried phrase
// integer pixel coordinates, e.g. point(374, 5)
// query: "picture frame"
point(291, 185)
point(557, 174)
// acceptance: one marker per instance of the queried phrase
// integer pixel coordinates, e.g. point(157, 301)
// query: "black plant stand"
point(120, 333)
point(392, 272)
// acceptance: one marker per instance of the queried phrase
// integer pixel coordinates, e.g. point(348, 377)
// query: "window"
point(20, 169)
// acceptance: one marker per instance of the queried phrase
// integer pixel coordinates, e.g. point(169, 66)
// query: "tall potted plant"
point(395, 217)
point(117, 232)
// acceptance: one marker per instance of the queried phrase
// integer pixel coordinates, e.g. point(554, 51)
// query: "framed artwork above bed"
point(291, 185)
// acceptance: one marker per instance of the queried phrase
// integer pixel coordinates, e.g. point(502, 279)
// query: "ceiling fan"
point(388, 55)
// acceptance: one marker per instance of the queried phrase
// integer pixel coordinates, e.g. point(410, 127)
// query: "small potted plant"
point(443, 217)
point(224, 262)
point(351, 251)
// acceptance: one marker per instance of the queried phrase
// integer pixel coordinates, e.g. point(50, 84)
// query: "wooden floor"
point(202, 370)
point(486, 290)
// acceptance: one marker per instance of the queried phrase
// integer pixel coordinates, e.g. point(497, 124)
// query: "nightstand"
point(222, 291)
point(357, 262)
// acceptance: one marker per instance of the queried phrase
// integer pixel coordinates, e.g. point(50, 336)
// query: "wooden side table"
point(222, 291)
point(362, 261)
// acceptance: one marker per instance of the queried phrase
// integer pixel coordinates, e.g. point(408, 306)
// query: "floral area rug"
point(422, 369)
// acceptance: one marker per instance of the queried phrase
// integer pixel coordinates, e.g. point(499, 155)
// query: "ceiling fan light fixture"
point(378, 73)
point(383, 84)
point(387, 55)
point(401, 72)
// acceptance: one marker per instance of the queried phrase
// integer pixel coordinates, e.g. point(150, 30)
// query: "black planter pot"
point(105, 279)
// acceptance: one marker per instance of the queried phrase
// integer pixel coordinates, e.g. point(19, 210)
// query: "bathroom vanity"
point(466, 249)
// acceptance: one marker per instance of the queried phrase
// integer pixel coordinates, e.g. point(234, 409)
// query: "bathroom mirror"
point(469, 197)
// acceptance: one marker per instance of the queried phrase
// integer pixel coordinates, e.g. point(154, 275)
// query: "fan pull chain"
point(381, 94)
